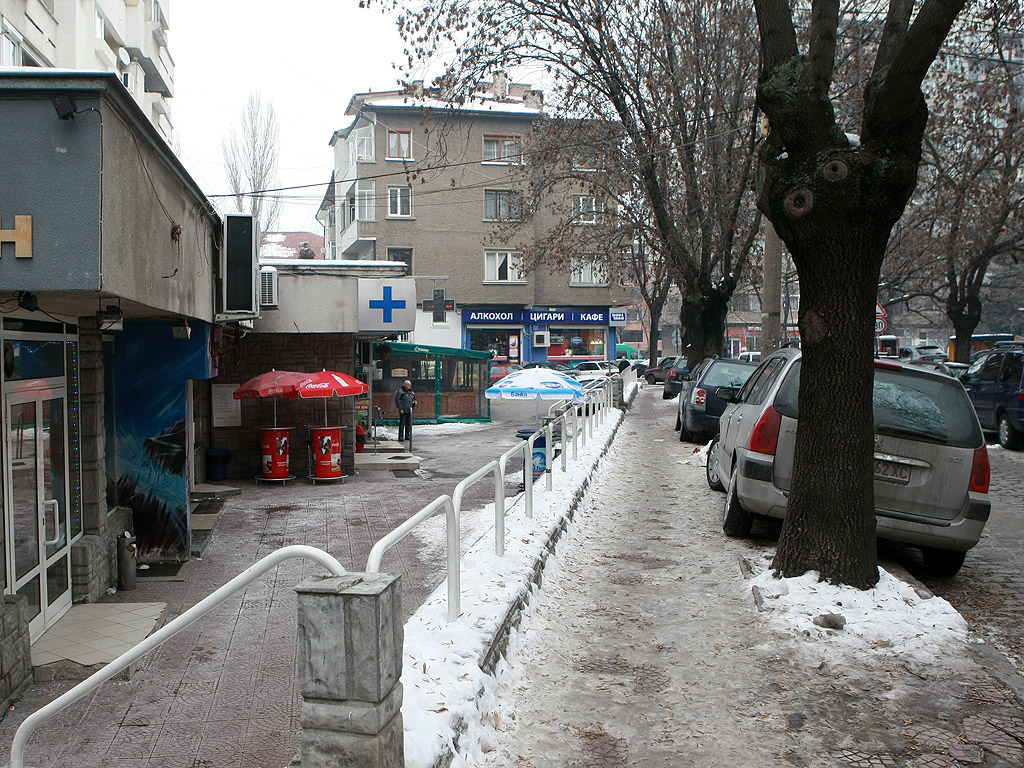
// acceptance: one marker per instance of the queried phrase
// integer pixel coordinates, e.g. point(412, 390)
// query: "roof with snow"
point(291, 245)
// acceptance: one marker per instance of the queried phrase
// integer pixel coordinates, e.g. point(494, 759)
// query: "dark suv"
point(700, 404)
point(995, 384)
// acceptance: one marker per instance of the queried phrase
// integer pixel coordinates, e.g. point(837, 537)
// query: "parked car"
point(501, 370)
point(677, 377)
point(700, 405)
point(924, 352)
point(595, 369)
point(568, 370)
point(931, 464)
point(749, 357)
point(995, 385)
point(660, 372)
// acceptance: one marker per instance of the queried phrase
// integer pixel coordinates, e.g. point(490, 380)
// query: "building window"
point(10, 45)
point(361, 145)
point(366, 204)
point(100, 29)
point(400, 201)
point(399, 145)
point(503, 149)
point(588, 271)
point(501, 204)
point(403, 255)
point(502, 267)
point(586, 208)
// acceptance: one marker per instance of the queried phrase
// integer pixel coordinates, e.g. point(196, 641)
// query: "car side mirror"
point(727, 394)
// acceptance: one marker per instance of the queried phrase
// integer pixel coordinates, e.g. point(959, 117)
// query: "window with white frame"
point(502, 267)
point(501, 205)
point(399, 145)
point(587, 208)
point(588, 270)
point(400, 201)
point(99, 28)
point(366, 203)
point(10, 47)
point(361, 145)
point(503, 148)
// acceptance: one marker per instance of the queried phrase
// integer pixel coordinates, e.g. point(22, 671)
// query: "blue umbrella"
point(536, 384)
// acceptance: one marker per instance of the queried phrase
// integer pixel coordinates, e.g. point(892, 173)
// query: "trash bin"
point(217, 464)
point(126, 563)
point(539, 458)
point(360, 439)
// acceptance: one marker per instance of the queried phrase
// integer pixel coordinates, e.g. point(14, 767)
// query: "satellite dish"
point(124, 56)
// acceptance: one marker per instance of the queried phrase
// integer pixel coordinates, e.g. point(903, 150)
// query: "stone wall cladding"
point(94, 559)
point(258, 353)
point(15, 650)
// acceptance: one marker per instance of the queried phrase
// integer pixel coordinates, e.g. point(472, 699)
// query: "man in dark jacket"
point(405, 401)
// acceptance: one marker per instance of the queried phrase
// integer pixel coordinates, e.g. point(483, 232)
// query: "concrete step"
point(382, 460)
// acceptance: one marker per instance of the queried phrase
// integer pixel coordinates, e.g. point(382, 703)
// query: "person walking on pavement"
point(405, 401)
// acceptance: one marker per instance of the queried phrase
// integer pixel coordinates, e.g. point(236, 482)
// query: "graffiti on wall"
point(151, 371)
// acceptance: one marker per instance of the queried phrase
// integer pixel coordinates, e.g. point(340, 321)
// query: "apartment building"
point(125, 37)
point(424, 182)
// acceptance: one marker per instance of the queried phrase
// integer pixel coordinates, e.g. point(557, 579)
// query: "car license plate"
point(891, 472)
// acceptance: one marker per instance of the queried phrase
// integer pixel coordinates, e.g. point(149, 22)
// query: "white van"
point(750, 357)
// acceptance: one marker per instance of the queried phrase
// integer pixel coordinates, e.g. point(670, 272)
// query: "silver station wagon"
point(931, 464)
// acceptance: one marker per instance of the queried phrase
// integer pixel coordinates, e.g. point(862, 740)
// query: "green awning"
point(401, 348)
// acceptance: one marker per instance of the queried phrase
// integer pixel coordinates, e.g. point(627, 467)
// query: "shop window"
point(577, 342)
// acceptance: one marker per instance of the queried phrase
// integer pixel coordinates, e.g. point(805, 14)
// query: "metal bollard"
point(126, 563)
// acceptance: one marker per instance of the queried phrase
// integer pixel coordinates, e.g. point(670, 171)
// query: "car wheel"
point(685, 435)
point(679, 422)
point(651, 379)
point(942, 562)
point(713, 470)
point(736, 521)
point(666, 394)
point(1009, 437)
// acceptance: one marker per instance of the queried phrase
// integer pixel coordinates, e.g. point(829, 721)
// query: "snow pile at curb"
point(889, 619)
point(441, 675)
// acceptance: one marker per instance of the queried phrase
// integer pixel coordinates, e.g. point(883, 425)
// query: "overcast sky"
point(306, 56)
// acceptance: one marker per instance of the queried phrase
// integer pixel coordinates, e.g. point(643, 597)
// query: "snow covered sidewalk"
point(645, 646)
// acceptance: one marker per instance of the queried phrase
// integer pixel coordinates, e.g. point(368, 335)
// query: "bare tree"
point(671, 86)
point(250, 161)
point(968, 211)
point(834, 200)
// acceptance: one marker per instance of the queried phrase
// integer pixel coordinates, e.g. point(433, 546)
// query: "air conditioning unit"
point(268, 286)
point(541, 339)
point(238, 269)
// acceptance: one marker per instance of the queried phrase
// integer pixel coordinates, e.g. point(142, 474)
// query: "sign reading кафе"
point(534, 316)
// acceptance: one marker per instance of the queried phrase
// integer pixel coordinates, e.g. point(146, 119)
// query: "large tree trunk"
point(830, 519)
point(963, 308)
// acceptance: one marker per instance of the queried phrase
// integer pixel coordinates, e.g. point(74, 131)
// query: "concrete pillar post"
point(350, 664)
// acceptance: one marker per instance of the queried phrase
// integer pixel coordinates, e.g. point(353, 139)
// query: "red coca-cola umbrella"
point(327, 384)
point(271, 384)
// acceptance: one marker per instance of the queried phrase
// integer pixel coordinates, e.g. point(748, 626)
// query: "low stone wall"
point(15, 650)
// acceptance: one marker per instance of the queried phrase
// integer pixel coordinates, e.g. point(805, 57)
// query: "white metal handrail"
point(452, 518)
point(166, 632)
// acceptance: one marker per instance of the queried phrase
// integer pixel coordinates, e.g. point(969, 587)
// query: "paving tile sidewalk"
point(222, 693)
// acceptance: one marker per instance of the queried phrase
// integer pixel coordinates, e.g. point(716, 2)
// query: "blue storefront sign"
point(534, 316)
